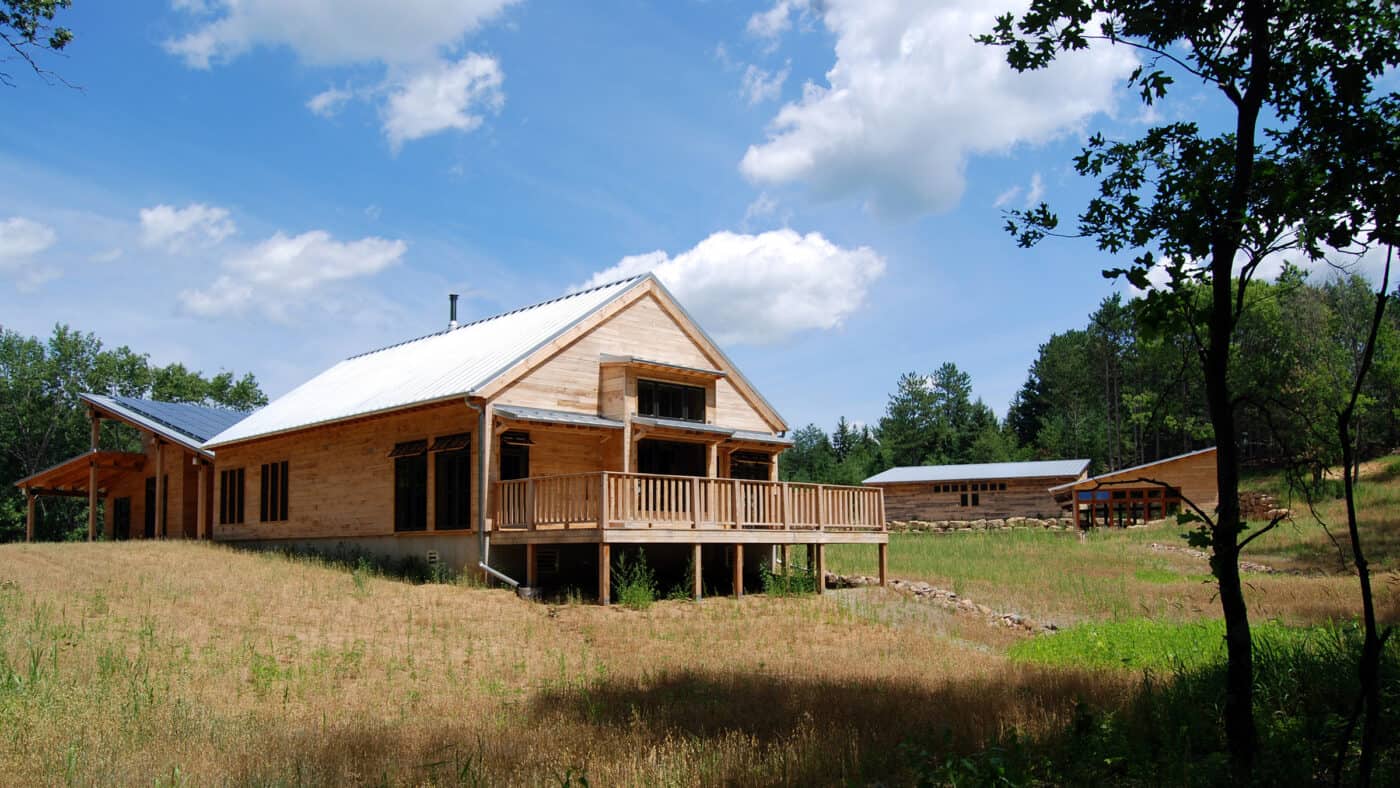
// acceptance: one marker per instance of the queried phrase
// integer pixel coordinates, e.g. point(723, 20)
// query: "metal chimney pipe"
point(451, 311)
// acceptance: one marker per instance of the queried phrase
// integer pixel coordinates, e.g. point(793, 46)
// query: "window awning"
point(451, 442)
point(408, 448)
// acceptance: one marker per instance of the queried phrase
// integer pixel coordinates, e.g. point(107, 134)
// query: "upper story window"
point(670, 400)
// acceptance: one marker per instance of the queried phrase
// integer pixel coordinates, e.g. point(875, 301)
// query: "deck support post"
point(695, 572)
point(201, 514)
point(92, 477)
point(787, 560)
point(738, 571)
point(884, 565)
point(530, 565)
point(604, 574)
point(820, 567)
point(160, 490)
point(29, 515)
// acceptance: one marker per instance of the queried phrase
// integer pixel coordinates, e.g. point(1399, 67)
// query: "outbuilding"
point(1142, 493)
point(978, 491)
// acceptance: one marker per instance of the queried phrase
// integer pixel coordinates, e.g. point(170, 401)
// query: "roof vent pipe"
point(451, 311)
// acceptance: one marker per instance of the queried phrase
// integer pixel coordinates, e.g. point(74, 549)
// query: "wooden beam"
point(604, 574)
point(92, 495)
point(884, 565)
point(696, 572)
point(787, 560)
point(201, 515)
point(821, 567)
point(29, 515)
point(531, 565)
point(160, 489)
point(738, 570)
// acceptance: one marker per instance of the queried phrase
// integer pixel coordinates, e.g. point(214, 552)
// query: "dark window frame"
point(452, 489)
point(663, 399)
point(232, 494)
point(411, 492)
point(272, 491)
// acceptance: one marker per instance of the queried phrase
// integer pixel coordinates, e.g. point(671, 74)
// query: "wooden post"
point(603, 504)
point(821, 507)
point(92, 499)
point(785, 502)
point(738, 570)
point(29, 515)
point(160, 489)
point(884, 565)
point(738, 503)
point(604, 574)
point(92, 477)
point(201, 515)
point(530, 517)
point(821, 568)
point(696, 572)
point(787, 560)
point(531, 570)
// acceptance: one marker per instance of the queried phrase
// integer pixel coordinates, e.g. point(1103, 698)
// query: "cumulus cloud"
point(329, 102)
point(447, 96)
point(180, 229)
point(911, 96)
point(777, 20)
point(21, 241)
point(279, 273)
point(320, 33)
point(760, 85)
point(761, 289)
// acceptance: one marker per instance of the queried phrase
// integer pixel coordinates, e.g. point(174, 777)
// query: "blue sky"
point(265, 187)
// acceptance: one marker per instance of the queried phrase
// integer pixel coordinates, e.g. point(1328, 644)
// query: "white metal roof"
point(545, 416)
point(978, 471)
point(436, 367)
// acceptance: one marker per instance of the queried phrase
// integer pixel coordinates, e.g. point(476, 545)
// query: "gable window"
point(231, 496)
point(452, 492)
point(272, 498)
point(410, 486)
point(670, 400)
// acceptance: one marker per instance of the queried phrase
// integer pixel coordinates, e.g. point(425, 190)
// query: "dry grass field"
point(196, 664)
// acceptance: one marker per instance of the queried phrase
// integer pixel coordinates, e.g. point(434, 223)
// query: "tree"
point(1304, 162)
point(26, 30)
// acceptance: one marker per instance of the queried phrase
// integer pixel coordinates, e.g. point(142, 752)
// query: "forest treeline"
point(43, 423)
point(1121, 392)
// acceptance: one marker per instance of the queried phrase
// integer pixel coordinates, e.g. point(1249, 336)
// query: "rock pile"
point(924, 592)
point(999, 524)
point(1245, 566)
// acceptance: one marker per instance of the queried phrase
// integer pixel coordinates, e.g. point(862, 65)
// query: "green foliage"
point(43, 421)
point(684, 590)
point(25, 30)
point(634, 583)
point(1142, 643)
point(796, 581)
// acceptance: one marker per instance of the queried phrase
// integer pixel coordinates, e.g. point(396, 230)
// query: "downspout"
point(483, 435)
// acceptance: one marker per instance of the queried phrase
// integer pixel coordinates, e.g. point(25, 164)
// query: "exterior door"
point(515, 460)
point(121, 519)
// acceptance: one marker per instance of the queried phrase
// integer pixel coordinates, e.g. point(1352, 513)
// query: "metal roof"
point(1129, 469)
point(185, 423)
point(682, 424)
point(760, 437)
point(522, 413)
point(433, 368)
point(977, 471)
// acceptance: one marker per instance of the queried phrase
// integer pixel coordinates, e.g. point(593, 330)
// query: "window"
point(231, 496)
point(410, 485)
point(1001, 487)
point(976, 500)
point(963, 501)
point(272, 498)
point(670, 400)
point(452, 483)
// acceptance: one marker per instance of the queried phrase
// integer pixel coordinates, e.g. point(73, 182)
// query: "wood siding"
point(1193, 474)
point(1021, 498)
point(183, 496)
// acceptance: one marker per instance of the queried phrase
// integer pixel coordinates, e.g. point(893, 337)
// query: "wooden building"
point(532, 445)
point(163, 490)
point(979, 491)
point(1143, 493)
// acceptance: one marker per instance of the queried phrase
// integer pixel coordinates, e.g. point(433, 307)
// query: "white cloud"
point(21, 240)
point(763, 206)
point(912, 96)
point(761, 289)
point(279, 273)
point(1007, 197)
point(1036, 191)
point(109, 256)
point(448, 96)
point(179, 229)
point(329, 102)
point(776, 20)
point(760, 85)
point(323, 33)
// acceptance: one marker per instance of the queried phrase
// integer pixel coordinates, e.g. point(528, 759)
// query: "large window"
point(231, 496)
point(410, 485)
point(670, 400)
point(452, 492)
point(272, 498)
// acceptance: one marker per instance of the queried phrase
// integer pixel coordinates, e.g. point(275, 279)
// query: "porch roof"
point(70, 477)
point(522, 413)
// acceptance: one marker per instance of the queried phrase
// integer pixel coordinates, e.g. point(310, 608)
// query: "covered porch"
point(89, 475)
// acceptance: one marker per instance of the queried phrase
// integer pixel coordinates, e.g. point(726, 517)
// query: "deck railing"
point(608, 499)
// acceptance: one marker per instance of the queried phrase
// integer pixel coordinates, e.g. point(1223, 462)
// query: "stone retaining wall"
point(953, 526)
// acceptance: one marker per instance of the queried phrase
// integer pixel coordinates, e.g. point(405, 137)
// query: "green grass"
point(1140, 643)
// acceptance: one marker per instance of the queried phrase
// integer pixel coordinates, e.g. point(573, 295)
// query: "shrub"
point(634, 584)
point(794, 582)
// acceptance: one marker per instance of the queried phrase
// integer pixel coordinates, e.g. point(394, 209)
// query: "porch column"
point(821, 567)
point(695, 572)
point(604, 574)
point(530, 565)
point(884, 565)
point(160, 489)
point(738, 570)
point(92, 476)
point(29, 515)
point(201, 515)
point(787, 560)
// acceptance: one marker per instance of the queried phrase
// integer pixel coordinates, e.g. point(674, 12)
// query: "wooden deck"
point(608, 506)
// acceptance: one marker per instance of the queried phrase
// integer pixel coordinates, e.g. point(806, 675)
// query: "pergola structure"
point(87, 475)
